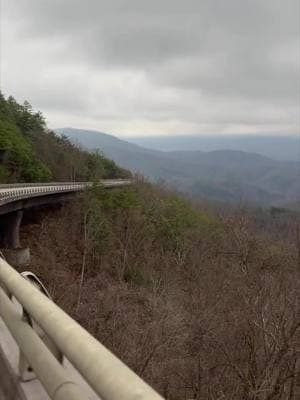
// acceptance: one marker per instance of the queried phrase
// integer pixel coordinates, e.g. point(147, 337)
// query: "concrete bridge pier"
point(11, 234)
point(15, 254)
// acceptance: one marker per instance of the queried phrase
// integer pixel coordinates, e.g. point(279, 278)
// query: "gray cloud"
point(168, 64)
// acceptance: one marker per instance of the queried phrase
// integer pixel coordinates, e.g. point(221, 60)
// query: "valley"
point(232, 176)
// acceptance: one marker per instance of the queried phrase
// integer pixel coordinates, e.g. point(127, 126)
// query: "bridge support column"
point(12, 250)
point(12, 230)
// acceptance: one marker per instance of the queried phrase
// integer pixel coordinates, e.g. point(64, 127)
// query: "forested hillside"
point(202, 305)
point(29, 152)
point(189, 272)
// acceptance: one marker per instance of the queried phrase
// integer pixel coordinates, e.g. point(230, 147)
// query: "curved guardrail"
point(106, 374)
point(13, 192)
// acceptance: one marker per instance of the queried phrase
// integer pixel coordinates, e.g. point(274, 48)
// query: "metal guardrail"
point(107, 375)
point(13, 192)
point(30, 184)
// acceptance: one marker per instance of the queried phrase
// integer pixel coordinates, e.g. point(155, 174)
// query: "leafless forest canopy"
point(203, 304)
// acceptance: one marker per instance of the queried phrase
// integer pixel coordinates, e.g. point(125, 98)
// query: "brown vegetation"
point(201, 306)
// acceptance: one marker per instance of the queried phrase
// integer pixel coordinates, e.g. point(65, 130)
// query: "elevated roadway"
point(15, 198)
point(18, 196)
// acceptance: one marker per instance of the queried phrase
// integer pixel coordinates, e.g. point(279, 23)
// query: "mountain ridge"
point(278, 147)
point(219, 175)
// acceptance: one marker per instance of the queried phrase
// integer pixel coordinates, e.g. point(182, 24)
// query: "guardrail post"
point(25, 370)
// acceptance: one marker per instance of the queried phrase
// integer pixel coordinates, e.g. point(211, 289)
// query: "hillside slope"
point(223, 175)
point(181, 295)
point(29, 152)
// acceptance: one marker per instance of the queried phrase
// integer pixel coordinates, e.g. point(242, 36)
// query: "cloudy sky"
point(135, 67)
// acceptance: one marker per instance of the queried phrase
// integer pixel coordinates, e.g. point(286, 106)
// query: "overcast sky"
point(140, 67)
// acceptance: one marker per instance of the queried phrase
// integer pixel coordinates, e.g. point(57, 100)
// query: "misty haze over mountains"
point(229, 170)
point(285, 148)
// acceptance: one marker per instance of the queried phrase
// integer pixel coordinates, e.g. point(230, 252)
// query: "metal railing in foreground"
point(107, 375)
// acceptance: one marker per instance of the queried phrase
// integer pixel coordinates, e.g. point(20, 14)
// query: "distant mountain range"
point(284, 148)
point(221, 175)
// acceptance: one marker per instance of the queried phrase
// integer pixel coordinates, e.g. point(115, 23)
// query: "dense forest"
point(203, 303)
point(29, 152)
